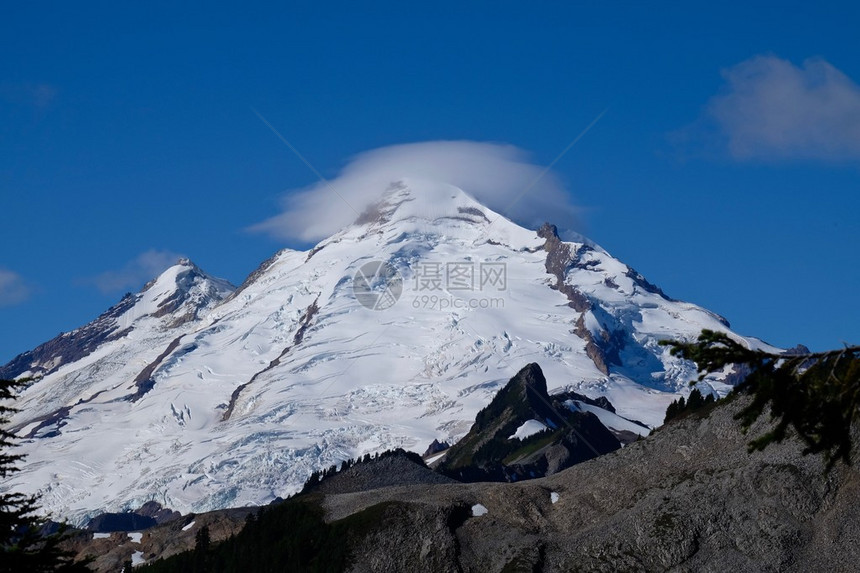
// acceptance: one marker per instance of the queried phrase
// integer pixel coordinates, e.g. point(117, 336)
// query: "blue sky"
point(726, 168)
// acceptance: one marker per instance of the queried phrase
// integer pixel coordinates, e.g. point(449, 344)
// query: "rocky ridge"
point(688, 498)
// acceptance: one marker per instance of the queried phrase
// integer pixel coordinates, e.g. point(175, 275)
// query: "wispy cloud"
point(39, 95)
point(494, 174)
point(773, 109)
point(13, 289)
point(135, 273)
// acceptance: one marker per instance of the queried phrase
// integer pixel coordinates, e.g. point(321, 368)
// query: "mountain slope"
point(214, 405)
point(112, 357)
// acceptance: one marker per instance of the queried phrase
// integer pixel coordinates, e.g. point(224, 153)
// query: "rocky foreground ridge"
point(688, 498)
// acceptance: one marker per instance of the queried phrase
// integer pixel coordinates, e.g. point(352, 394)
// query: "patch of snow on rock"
point(478, 510)
point(529, 428)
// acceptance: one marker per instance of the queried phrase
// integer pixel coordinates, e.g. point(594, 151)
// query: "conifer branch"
point(815, 393)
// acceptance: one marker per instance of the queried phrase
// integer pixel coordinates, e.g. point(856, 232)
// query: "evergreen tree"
point(202, 540)
point(201, 550)
point(22, 546)
point(817, 394)
point(695, 401)
point(680, 406)
point(671, 411)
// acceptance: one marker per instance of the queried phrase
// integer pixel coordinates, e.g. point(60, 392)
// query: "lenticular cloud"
point(499, 176)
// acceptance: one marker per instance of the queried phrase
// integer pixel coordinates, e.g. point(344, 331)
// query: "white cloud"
point(772, 109)
point(13, 288)
point(135, 273)
point(494, 174)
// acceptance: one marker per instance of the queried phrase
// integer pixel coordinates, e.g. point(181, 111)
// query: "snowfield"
point(528, 428)
point(607, 418)
point(234, 397)
point(135, 536)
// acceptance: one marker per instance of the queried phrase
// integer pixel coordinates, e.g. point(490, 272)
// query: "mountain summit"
point(200, 396)
point(181, 294)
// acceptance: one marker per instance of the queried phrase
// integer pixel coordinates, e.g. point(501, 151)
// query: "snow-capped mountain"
point(391, 333)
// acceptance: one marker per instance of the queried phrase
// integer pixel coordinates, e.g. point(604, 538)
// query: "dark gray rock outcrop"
point(489, 452)
point(110, 522)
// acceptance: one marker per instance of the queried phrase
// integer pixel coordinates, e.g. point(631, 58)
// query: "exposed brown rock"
point(304, 323)
point(558, 260)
